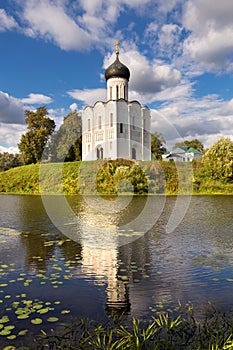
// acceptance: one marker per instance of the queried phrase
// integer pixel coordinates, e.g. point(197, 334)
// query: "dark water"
point(92, 272)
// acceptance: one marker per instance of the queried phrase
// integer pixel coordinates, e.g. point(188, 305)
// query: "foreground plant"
point(176, 330)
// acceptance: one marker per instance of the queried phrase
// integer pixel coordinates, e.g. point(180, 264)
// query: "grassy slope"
point(25, 179)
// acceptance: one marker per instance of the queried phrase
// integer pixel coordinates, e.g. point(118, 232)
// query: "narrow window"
point(134, 153)
point(88, 125)
point(99, 122)
point(111, 120)
point(88, 148)
point(117, 92)
point(133, 121)
point(110, 145)
point(110, 92)
point(121, 128)
point(124, 92)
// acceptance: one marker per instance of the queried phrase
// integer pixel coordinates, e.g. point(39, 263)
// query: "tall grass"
point(174, 330)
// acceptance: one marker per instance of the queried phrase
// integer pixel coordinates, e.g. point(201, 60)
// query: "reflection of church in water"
point(117, 128)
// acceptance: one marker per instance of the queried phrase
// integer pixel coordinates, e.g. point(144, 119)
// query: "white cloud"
point(89, 96)
point(36, 99)
point(11, 109)
point(147, 77)
point(75, 26)
point(6, 22)
point(49, 20)
point(73, 107)
point(206, 119)
point(10, 136)
point(211, 38)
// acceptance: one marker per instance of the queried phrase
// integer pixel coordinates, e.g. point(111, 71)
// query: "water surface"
point(43, 269)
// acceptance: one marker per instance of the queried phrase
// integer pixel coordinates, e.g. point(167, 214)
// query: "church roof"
point(117, 69)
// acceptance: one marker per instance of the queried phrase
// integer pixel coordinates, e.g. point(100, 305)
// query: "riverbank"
point(104, 178)
point(179, 329)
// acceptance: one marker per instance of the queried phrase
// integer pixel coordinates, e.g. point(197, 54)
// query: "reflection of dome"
point(117, 70)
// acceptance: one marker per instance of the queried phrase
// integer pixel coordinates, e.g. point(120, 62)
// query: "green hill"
point(118, 176)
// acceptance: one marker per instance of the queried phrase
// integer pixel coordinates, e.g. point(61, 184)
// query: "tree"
point(198, 145)
point(9, 160)
point(157, 145)
point(218, 159)
point(33, 142)
point(66, 143)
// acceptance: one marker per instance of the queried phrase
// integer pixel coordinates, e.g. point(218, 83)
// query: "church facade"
point(117, 128)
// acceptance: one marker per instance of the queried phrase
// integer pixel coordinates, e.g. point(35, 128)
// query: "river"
point(107, 255)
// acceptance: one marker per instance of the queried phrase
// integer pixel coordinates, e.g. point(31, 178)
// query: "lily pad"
point(43, 311)
point(12, 337)
point(9, 328)
point(36, 321)
point(52, 319)
point(23, 316)
point(23, 332)
point(5, 332)
point(64, 312)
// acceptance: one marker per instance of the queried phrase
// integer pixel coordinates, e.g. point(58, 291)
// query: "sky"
point(54, 53)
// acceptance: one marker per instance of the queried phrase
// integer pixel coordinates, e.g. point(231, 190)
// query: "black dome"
point(117, 70)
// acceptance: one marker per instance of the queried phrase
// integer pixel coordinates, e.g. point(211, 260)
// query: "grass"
point(92, 177)
point(174, 330)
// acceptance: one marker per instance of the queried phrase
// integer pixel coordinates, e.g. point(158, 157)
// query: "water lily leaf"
point(4, 319)
point(52, 319)
point(9, 348)
point(3, 284)
point(57, 302)
point(43, 311)
point(64, 312)
point(36, 321)
point(10, 327)
point(5, 332)
point(23, 316)
point(23, 332)
point(229, 279)
point(11, 337)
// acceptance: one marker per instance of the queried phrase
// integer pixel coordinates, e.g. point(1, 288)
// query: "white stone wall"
point(117, 88)
point(117, 127)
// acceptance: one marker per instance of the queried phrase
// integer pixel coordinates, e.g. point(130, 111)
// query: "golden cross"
point(117, 47)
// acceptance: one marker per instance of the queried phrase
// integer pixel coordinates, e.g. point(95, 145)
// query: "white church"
point(117, 128)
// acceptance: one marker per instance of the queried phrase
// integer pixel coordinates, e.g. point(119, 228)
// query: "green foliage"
point(66, 143)
point(121, 176)
point(198, 145)
point(218, 160)
point(167, 330)
point(9, 160)
point(112, 177)
point(157, 145)
point(33, 142)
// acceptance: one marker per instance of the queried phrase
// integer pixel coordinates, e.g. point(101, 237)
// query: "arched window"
point(117, 92)
point(99, 122)
point(99, 152)
point(88, 125)
point(110, 92)
point(133, 122)
point(121, 128)
point(134, 154)
point(111, 120)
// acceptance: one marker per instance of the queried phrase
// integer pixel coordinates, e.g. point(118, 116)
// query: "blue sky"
point(179, 52)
